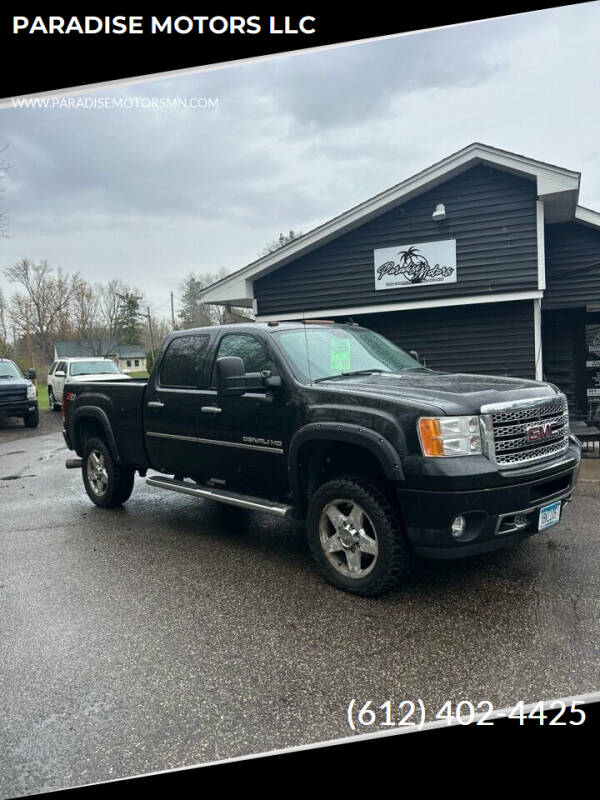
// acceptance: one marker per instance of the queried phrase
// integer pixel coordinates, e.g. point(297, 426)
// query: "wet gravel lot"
point(174, 631)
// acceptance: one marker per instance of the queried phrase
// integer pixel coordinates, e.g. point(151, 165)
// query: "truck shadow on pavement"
point(281, 547)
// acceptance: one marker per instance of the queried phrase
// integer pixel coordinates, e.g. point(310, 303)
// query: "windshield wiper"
point(350, 373)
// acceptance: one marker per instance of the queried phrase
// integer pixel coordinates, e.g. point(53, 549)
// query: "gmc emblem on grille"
point(537, 433)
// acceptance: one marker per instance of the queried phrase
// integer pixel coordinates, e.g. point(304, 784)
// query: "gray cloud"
point(150, 195)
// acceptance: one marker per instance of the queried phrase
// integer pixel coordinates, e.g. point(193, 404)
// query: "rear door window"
point(182, 366)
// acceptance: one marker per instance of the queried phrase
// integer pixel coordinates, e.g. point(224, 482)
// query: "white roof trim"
point(551, 180)
point(587, 216)
point(378, 308)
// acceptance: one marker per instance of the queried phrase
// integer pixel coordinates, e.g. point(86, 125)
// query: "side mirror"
point(31, 374)
point(234, 381)
point(415, 355)
point(230, 376)
point(60, 374)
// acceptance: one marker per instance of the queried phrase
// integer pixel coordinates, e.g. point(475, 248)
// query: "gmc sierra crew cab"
point(332, 423)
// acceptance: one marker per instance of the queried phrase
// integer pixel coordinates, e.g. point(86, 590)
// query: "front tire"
point(32, 418)
point(52, 404)
point(107, 483)
point(355, 537)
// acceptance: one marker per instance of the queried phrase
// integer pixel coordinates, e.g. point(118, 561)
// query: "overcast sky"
point(152, 195)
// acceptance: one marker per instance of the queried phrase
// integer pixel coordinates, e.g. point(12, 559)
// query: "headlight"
point(449, 436)
point(31, 392)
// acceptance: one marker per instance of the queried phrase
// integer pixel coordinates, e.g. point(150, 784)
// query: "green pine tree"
point(130, 319)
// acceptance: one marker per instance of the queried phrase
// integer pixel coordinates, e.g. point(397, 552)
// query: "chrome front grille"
point(506, 426)
point(13, 396)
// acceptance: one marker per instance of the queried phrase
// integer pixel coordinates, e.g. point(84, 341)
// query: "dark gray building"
point(483, 262)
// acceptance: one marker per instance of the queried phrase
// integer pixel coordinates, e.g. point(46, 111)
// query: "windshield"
point(318, 353)
point(94, 368)
point(9, 370)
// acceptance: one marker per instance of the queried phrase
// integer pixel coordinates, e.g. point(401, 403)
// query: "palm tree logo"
point(414, 265)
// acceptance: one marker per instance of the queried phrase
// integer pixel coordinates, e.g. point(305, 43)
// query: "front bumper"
point(489, 513)
point(18, 409)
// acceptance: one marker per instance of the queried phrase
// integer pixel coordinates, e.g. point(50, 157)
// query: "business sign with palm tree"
point(415, 264)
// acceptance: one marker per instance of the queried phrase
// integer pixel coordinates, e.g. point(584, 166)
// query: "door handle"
point(211, 410)
point(155, 404)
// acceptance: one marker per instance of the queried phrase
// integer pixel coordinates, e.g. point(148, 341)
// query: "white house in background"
point(128, 357)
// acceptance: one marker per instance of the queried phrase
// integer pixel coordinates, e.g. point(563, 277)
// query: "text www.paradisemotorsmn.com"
point(50, 102)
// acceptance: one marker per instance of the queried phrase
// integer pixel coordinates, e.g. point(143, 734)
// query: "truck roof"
point(84, 358)
point(270, 327)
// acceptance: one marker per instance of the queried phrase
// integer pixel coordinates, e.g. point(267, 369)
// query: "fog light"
point(458, 526)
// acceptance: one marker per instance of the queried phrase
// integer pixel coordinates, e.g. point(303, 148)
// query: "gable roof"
point(82, 349)
point(556, 186)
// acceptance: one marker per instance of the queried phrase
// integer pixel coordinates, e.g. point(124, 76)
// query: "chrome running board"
point(222, 496)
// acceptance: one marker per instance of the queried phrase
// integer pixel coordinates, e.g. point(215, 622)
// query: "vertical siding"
point(490, 213)
point(572, 265)
point(563, 348)
point(489, 339)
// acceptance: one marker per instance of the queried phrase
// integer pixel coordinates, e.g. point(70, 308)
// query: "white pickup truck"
point(78, 369)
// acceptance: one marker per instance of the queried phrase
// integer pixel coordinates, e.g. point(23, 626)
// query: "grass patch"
point(142, 374)
point(42, 396)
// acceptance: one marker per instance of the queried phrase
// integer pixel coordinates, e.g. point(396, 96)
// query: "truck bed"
point(122, 402)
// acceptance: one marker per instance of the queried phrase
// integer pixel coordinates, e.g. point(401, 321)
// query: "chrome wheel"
point(96, 473)
point(348, 538)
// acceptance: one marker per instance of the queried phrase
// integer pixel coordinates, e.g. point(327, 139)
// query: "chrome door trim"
point(199, 440)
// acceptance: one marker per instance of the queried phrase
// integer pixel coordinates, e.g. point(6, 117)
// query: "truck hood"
point(453, 393)
point(107, 376)
point(9, 384)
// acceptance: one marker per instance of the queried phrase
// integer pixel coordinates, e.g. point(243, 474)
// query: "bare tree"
point(46, 296)
point(83, 311)
point(3, 213)
point(109, 305)
point(194, 313)
point(161, 327)
point(281, 241)
point(4, 345)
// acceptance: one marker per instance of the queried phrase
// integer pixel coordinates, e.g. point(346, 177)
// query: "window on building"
point(128, 362)
point(183, 364)
point(137, 362)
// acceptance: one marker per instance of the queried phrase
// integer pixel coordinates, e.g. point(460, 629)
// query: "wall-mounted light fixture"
point(440, 212)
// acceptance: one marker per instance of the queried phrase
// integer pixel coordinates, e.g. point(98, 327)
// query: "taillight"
point(66, 399)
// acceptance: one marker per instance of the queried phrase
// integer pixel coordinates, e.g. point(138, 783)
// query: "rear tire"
point(52, 404)
point(32, 418)
point(355, 537)
point(107, 483)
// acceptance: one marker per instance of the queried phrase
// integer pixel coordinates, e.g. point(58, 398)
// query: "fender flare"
point(385, 453)
point(93, 412)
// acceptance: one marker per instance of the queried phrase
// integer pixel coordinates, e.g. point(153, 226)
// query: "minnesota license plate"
point(549, 515)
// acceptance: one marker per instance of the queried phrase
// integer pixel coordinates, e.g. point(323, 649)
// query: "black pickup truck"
point(18, 394)
point(334, 424)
